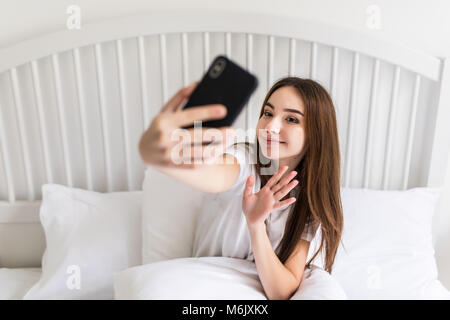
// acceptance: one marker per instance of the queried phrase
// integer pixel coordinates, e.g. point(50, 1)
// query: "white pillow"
point(388, 251)
point(90, 236)
point(169, 213)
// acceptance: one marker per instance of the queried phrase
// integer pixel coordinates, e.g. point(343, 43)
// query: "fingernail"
point(221, 111)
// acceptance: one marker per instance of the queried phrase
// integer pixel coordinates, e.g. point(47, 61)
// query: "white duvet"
point(213, 278)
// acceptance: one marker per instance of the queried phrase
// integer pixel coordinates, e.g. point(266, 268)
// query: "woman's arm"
point(157, 144)
point(211, 178)
point(279, 281)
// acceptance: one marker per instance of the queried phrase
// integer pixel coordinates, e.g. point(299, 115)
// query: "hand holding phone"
point(226, 83)
point(156, 142)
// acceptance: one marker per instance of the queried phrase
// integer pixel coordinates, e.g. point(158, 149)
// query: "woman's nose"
point(273, 126)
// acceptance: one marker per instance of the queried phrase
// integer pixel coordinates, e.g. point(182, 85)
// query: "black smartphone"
point(225, 82)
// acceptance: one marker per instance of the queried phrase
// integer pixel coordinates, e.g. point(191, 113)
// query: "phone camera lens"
point(217, 69)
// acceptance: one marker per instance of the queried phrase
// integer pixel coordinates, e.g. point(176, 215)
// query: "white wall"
point(422, 24)
point(441, 226)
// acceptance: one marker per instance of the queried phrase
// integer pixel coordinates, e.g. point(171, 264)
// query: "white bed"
point(17, 281)
point(73, 105)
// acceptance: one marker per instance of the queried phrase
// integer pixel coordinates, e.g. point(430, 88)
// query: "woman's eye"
point(294, 120)
point(266, 113)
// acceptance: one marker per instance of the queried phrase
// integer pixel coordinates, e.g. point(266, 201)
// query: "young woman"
point(267, 218)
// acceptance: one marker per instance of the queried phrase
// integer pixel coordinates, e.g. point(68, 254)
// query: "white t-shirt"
point(221, 229)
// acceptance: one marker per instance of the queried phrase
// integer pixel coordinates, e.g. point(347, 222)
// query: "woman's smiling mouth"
point(271, 141)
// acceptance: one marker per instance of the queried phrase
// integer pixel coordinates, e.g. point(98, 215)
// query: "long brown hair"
point(318, 197)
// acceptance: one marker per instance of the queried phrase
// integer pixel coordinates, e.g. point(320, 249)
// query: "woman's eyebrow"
point(289, 110)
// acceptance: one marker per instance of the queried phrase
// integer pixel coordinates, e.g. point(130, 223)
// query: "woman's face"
point(280, 130)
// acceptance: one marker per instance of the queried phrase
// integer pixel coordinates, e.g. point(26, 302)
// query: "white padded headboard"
point(73, 104)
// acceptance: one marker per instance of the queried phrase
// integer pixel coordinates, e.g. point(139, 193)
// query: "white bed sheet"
point(213, 278)
point(15, 282)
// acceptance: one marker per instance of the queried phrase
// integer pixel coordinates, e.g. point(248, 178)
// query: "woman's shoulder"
point(244, 152)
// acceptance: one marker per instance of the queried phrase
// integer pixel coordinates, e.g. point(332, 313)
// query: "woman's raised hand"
point(158, 141)
point(257, 206)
